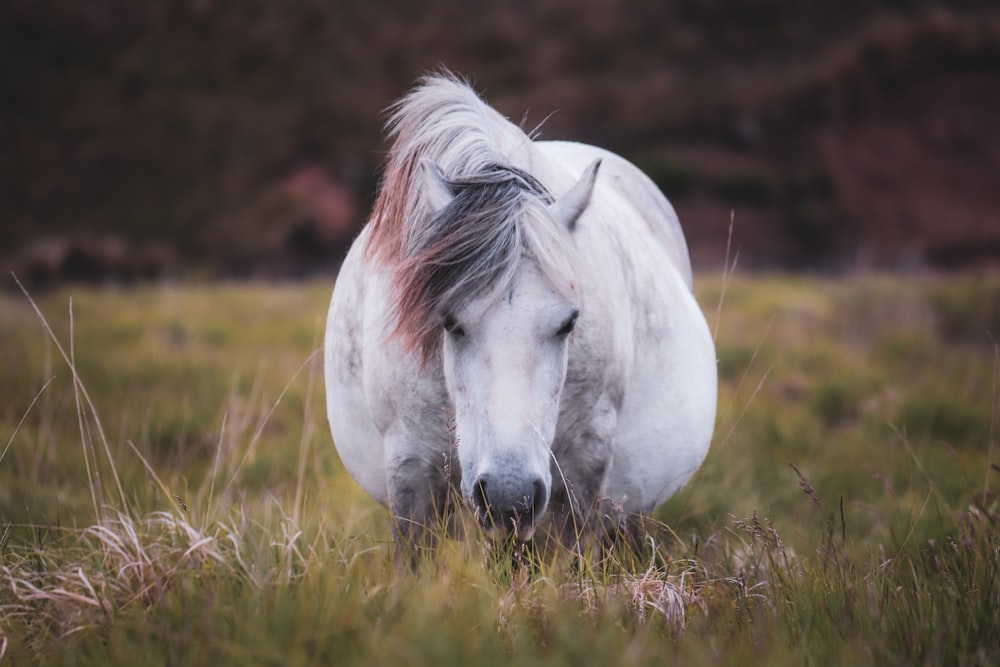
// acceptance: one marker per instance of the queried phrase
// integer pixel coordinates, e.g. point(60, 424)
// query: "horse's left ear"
point(438, 191)
point(567, 209)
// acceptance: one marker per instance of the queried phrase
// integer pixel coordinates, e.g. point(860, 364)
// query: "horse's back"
point(666, 419)
point(634, 187)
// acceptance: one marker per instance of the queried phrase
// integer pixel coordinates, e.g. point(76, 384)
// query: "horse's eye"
point(568, 326)
point(452, 327)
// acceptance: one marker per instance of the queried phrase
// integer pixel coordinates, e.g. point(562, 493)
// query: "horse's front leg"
point(574, 503)
point(580, 465)
point(419, 504)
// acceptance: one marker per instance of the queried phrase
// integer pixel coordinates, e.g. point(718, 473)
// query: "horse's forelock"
point(469, 250)
point(443, 260)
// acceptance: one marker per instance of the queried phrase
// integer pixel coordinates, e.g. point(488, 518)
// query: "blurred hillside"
point(244, 138)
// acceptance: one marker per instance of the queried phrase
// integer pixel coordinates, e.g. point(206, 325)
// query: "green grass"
point(181, 502)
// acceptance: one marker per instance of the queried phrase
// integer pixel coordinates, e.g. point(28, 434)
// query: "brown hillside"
point(165, 137)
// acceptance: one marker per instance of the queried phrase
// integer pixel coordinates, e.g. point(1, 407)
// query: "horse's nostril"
point(511, 507)
point(540, 499)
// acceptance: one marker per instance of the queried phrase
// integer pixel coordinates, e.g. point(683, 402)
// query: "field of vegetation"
point(169, 494)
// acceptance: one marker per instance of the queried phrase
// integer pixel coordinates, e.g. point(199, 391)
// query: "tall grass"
point(169, 495)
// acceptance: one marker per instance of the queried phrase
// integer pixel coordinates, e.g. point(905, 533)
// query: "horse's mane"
point(443, 259)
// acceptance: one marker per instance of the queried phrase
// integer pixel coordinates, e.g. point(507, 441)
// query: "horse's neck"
point(512, 147)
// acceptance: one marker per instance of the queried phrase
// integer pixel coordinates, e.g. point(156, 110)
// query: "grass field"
point(177, 500)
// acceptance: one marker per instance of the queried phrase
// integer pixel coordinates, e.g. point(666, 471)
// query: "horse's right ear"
point(568, 208)
point(437, 191)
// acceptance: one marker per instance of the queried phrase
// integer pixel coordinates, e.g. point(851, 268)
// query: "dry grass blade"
point(727, 275)
point(121, 562)
point(668, 596)
point(80, 390)
point(24, 416)
point(308, 433)
point(807, 488)
point(994, 405)
point(264, 421)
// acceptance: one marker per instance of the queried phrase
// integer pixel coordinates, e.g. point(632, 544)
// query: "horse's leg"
point(573, 508)
point(579, 471)
point(418, 501)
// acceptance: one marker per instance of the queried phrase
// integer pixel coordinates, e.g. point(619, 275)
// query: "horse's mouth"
point(512, 526)
point(514, 537)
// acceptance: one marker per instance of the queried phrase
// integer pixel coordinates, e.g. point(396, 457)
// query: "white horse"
point(515, 326)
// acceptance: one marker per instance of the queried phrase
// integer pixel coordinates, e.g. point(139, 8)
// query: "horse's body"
point(559, 373)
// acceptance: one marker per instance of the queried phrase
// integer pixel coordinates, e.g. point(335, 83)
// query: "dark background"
point(214, 138)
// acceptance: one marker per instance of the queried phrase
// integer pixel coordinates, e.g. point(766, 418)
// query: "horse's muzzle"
point(509, 507)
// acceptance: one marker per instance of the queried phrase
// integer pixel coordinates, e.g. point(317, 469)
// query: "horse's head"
point(505, 364)
point(504, 352)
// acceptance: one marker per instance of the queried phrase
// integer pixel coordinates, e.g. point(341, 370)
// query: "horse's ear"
point(567, 209)
point(437, 191)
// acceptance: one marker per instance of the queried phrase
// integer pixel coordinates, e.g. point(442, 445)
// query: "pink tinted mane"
point(439, 120)
point(386, 239)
